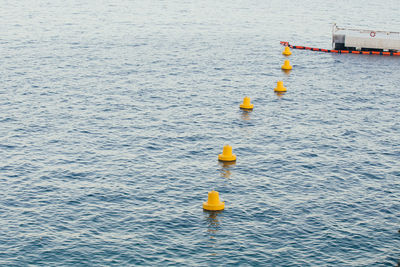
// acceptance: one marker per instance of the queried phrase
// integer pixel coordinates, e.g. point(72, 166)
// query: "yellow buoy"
point(246, 104)
point(286, 65)
point(279, 87)
point(213, 202)
point(227, 154)
point(287, 51)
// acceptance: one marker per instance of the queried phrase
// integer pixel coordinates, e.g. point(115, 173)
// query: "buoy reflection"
point(226, 173)
point(245, 114)
point(280, 94)
point(212, 220)
point(213, 226)
point(225, 169)
point(287, 72)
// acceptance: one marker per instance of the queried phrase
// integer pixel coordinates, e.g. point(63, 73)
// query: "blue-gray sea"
point(113, 113)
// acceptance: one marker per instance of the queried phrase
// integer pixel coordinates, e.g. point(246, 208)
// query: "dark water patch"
point(372, 176)
point(7, 146)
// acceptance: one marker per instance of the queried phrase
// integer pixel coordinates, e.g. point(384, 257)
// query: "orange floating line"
point(341, 51)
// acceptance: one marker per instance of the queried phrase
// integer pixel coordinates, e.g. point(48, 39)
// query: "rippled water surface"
point(112, 114)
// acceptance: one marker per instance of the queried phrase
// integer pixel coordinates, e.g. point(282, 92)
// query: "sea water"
point(113, 113)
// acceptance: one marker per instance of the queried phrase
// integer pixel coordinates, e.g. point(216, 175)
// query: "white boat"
point(365, 40)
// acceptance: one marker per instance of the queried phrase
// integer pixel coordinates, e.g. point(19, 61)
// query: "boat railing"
point(336, 28)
